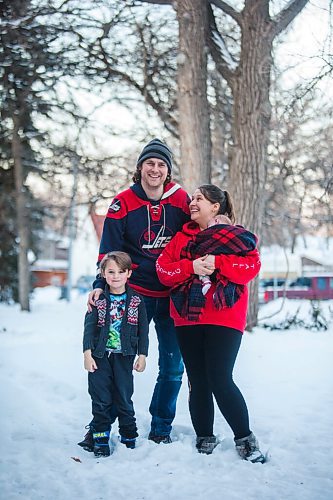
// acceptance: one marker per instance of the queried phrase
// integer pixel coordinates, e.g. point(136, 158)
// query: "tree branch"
point(227, 9)
point(159, 2)
point(169, 122)
point(224, 61)
point(287, 15)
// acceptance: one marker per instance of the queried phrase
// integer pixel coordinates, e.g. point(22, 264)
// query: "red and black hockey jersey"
point(142, 228)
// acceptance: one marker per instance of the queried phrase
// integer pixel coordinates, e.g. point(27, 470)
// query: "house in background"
point(52, 264)
point(319, 266)
point(313, 255)
point(46, 272)
point(51, 268)
point(86, 244)
point(277, 263)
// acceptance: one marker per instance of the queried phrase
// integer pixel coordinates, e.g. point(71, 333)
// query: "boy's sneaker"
point(160, 439)
point(87, 442)
point(248, 449)
point(206, 444)
point(101, 444)
point(128, 442)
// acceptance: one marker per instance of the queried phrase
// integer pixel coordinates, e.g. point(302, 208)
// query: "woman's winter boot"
point(206, 444)
point(248, 449)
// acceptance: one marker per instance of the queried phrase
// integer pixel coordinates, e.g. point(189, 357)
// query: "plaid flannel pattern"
point(188, 298)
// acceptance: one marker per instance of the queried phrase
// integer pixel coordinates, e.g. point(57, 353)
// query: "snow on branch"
point(158, 2)
point(225, 64)
point(223, 51)
point(287, 15)
point(227, 9)
point(15, 23)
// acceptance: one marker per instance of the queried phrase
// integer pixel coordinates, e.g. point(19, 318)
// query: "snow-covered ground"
point(285, 376)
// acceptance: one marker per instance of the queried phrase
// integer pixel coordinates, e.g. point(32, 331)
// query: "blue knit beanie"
point(156, 149)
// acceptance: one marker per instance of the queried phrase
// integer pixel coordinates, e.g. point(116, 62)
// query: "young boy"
point(205, 280)
point(114, 332)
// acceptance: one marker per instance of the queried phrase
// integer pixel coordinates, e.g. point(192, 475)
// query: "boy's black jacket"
point(133, 330)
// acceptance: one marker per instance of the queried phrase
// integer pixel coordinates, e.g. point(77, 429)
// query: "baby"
point(218, 219)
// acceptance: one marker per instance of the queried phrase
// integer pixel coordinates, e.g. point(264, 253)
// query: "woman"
point(209, 328)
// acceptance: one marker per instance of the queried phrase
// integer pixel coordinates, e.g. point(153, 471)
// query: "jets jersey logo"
point(155, 240)
point(115, 206)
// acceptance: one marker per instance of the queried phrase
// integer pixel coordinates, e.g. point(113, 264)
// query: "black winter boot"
point(128, 442)
point(160, 439)
point(87, 442)
point(101, 444)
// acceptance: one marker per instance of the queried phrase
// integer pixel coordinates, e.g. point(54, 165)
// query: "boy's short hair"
point(122, 259)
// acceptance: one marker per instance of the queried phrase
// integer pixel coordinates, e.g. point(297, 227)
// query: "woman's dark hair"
point(122, 259)
point(215, 195)
point(137, 176)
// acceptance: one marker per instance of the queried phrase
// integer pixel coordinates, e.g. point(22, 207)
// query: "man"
point(141, 221)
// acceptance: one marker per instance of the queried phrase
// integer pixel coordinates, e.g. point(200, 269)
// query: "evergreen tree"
point(28, 67)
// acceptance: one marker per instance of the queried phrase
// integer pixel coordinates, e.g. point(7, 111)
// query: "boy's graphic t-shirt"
point(117, 311)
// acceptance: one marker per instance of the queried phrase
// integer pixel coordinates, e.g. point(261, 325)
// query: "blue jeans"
point(171, 368)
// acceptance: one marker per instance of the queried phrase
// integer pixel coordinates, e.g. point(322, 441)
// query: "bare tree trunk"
point(252, 112)
point(194, 127)
point(22, 219)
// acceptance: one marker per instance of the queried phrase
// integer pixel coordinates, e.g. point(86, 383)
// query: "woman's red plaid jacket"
point(172, 270)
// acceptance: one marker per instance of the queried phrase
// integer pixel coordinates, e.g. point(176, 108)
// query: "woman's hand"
point(210, 260)
point(204, 265)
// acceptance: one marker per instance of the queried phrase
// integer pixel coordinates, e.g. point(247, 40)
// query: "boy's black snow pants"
point(112, 384)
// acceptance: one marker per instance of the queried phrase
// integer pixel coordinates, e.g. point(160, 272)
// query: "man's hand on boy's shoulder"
point(92, 297)
point(140, 363)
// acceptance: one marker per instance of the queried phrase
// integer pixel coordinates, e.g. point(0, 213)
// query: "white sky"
point(304, 42)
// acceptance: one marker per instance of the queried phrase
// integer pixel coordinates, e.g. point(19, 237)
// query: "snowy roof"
point(275, 259)
point(50, 265)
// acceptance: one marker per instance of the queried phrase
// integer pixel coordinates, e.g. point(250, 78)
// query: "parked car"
point(304, 287)
point(264, 283)
point(272, 283)
point(302, 281)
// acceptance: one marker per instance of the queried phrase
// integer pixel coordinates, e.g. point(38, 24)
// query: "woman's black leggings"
point(209, 353)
